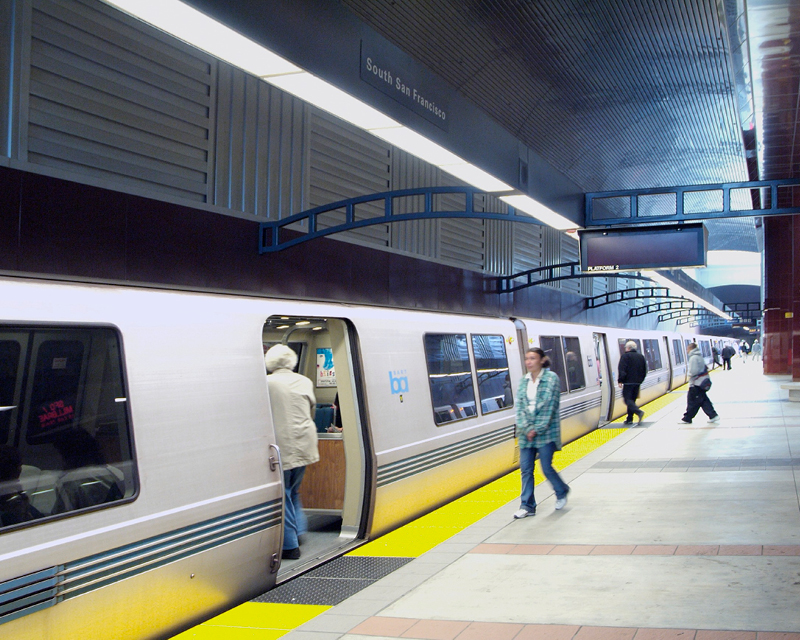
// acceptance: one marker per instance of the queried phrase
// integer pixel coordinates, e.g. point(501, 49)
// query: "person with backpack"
point(699, 384)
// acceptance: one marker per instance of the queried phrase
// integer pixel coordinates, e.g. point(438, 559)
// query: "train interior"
point(332, 491)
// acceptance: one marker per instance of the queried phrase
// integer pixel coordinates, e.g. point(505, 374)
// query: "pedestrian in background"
point(538, 429)
point(631, 373)
point(727, 354)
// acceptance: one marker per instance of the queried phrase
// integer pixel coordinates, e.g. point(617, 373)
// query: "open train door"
point(604, 377)
point(334, 490)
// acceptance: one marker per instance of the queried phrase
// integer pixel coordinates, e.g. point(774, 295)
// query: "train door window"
point(573, 362)
point(678, 351)
point(652, 354)
point(551, 345)
point(623, 341)
point(491, 365)
point(450, 377)
point(705, 348)
point(68, 444)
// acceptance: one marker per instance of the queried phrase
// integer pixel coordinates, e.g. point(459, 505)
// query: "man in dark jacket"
point(727, 354)
point(630, 375)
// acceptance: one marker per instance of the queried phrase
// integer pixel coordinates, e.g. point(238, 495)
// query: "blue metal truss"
point(622, 207)
point(629, 294)
point(270, 232)
point(677, 303)
point(508, 284)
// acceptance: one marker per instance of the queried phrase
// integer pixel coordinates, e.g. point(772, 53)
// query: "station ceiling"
point(623, 94)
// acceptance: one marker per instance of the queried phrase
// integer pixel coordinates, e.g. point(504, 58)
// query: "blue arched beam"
point(506, 284)
point(269, 232)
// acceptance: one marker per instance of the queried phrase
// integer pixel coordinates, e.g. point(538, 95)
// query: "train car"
point(141, 488)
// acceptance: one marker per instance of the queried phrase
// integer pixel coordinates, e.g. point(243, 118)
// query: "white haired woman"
point(292, 399)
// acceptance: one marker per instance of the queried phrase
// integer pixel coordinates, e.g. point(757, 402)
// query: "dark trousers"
point(697, 399)
point(726, 363)
point(629, 394)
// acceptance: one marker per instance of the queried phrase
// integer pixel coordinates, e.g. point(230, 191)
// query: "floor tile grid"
point(679, 550)
point(463, 630)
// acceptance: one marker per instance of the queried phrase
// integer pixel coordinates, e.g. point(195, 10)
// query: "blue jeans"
point(527, 459)
point(295, 522)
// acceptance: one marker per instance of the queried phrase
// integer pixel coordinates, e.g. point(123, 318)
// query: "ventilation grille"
point(112, 99)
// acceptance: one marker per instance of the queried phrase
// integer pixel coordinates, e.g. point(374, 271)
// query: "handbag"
point(705, 383)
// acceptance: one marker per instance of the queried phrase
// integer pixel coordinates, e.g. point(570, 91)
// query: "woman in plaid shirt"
point(538, 429)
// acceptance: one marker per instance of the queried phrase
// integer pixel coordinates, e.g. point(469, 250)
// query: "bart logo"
point(398, 381)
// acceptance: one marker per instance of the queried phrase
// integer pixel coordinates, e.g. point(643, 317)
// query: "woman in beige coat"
point(292, 400)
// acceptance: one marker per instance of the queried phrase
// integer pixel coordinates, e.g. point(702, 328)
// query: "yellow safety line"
point(267, 621)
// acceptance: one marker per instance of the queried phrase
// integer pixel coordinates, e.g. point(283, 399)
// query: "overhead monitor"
point(674, 246)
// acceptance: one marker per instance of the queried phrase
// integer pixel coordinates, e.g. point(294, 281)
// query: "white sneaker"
point(561, 503)
point(523, 513)
point(714, 419)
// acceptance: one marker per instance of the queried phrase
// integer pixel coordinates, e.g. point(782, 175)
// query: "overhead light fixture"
point(331, 99)
point(201, 31)
point(679, 290)
point(528, 205)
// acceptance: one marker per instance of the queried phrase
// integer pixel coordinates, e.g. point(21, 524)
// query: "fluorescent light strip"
point(677, 289)
point(203, 32)
point(536, 209)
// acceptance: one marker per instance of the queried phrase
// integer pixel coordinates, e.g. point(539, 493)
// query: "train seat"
point(324, 417)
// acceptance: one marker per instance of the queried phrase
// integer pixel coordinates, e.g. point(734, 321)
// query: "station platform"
point(672, 531)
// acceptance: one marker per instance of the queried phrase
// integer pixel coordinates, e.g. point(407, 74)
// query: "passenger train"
point(141, 489)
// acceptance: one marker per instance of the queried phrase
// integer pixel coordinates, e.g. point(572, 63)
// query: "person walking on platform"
point(292, 399)
point(538, 429)
point(697, 398)
point(756, 349)
point(631, 373)
point(744, 349)
point(727, 354)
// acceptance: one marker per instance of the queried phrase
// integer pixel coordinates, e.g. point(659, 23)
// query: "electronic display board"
point(672, 246)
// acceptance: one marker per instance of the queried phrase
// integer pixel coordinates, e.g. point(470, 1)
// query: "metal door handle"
point(275, 461)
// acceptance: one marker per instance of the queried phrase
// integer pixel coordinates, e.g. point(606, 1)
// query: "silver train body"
point(173, 387)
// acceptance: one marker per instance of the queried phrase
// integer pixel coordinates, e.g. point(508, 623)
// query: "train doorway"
point(670, 363)
point(605, 377)
point(333, 490)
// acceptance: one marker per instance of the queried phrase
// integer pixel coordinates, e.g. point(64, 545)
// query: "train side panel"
point(436, 434)
point(199, 410)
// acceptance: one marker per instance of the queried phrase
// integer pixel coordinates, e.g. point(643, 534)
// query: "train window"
point(66, 442)
point(450, 376)
point(574, 364)
point(551, 345)
point(9, 382)
point(678, 351)
point(705, 348)
point(491, 365)
point(652, 354)
point(622, 342)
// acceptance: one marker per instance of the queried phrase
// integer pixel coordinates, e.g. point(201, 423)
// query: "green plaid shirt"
point(546, 419)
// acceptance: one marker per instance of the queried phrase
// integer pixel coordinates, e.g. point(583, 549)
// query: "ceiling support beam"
point(689, 203)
